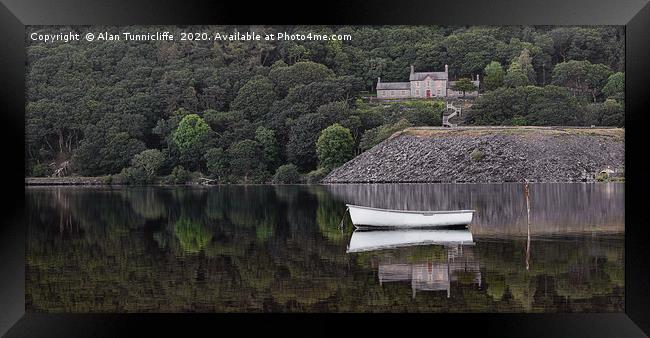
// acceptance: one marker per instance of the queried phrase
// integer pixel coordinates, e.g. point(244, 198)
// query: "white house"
point(422, 85)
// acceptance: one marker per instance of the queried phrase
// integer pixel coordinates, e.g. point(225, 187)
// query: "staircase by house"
point(450, 112)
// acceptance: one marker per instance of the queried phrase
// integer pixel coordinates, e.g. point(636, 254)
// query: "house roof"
point(394, 85)
point(419, 76)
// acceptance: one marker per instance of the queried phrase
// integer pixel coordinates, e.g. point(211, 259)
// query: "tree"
point(609, 113)
point(582, 77)
point(529, 105)
point(516, 76)
point(266, 138)
point(245, 160)
point(255, 98)
point(472, 49)
point(216, 161)
point(301, 73)
point(464, 85)
point(149, 160)
point(493, 76)
point(301, 147)
point(191, 137)
point(144, 167)
point(286, 174)
point(615, 87)
point(525, 61)
point(335, 146)
point(105, 152)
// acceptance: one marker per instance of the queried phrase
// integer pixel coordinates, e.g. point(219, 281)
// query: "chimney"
point(378, 80)
point(477, 80)
point(447, 69)
point(412, 69)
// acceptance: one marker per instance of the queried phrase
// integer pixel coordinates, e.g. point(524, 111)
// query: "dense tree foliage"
point(529, 105)
point(615, 87)
point(287, 173)
point(238, 110)
point(582, 77)
point(335, 146)
point(464, 85)
point(493, 76)
point(217, 163)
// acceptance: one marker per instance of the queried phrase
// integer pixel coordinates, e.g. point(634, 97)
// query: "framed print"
point(423, 164)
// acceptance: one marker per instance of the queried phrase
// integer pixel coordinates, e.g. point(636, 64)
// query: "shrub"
point(178, 176)
point(106, 179)
point(133, 175)
point(144, 167)
point(316, 176)
point(41, 170)
point(287, 173)
point(374, 136)
point(518, 120)
point(476, 155)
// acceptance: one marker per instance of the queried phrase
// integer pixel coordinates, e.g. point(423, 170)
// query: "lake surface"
point(282, 249)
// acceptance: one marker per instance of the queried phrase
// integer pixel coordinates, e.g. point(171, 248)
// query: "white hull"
point(376, 240)
point(365, 216)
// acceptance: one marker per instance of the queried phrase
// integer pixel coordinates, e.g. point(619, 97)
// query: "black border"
point(634, 14)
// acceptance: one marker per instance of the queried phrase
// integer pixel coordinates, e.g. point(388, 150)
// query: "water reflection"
point(280, 249)
point(427, 272)
point(501, 208)
point(369, 240)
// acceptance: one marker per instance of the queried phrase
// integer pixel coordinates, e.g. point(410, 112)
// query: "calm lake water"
point(281, 249)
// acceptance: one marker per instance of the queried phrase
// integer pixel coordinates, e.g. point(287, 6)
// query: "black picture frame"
point(634, 14)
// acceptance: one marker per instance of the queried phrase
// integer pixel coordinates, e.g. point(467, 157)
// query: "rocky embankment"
point(489, 154)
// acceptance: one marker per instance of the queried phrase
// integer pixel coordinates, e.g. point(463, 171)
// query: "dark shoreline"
point(101, 181)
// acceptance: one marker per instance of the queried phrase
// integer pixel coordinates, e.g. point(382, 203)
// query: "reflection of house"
point(422, 85)
point(432, 276)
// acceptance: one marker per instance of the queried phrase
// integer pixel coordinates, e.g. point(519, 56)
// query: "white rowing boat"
point(366, 216)
point(386, 239)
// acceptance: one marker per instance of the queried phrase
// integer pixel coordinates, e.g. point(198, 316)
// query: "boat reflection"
point(451, 259)
point(369, 240)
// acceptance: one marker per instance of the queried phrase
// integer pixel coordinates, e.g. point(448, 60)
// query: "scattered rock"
point(536, 154)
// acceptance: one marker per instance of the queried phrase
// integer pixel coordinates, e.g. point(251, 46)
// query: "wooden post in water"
point(526, 194)
point(342, 223)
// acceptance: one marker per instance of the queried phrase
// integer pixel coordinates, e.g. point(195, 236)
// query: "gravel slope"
point(501, 154)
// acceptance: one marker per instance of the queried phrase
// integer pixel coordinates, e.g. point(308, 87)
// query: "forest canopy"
point(237, 111)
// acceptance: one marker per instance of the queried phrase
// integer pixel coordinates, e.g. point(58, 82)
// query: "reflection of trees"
point(145, 201)
point(192, 236)
point(270, 248)
point(329, 215)
point(577, 270)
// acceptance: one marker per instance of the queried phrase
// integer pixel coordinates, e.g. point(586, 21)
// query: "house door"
point(428, 93)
